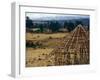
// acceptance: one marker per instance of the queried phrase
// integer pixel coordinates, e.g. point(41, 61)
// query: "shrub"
point(50, 37)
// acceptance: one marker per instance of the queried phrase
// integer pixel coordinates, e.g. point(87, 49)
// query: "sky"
point(45, 16)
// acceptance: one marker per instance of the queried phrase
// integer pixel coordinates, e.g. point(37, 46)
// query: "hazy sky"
point(42, 16)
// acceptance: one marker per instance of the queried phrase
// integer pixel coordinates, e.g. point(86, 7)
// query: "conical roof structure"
point(74, 50)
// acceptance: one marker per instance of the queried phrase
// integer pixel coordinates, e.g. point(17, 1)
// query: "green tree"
point(69, 25)
point(54, 26)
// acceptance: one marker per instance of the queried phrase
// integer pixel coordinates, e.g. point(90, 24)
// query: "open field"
point(43, 36)
point(37, 56)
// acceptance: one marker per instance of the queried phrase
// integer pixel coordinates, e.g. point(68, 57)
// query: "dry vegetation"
point(57, 48)
point(42, 36)
point(37, 56)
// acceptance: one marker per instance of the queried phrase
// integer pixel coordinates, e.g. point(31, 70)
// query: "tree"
point(69, 25)
point(54, 26)
point(78, 22)
point(41, 27)
point(65, 24)
point(29, 23)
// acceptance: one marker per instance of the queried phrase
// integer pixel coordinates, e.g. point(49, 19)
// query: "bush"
point(50, 37)
point(37, 44)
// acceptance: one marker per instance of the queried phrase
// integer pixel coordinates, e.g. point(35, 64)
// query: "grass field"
point(36, 56)
point(43, 36)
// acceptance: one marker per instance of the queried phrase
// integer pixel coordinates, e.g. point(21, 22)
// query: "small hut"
point(73, 51)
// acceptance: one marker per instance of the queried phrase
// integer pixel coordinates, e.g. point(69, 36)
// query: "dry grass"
point(30, 52)
point(36, 57)
point(38, 36)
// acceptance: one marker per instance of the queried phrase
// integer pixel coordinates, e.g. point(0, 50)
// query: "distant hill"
point(56, 23)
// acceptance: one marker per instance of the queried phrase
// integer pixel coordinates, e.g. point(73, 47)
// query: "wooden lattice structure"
point(74, 50)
